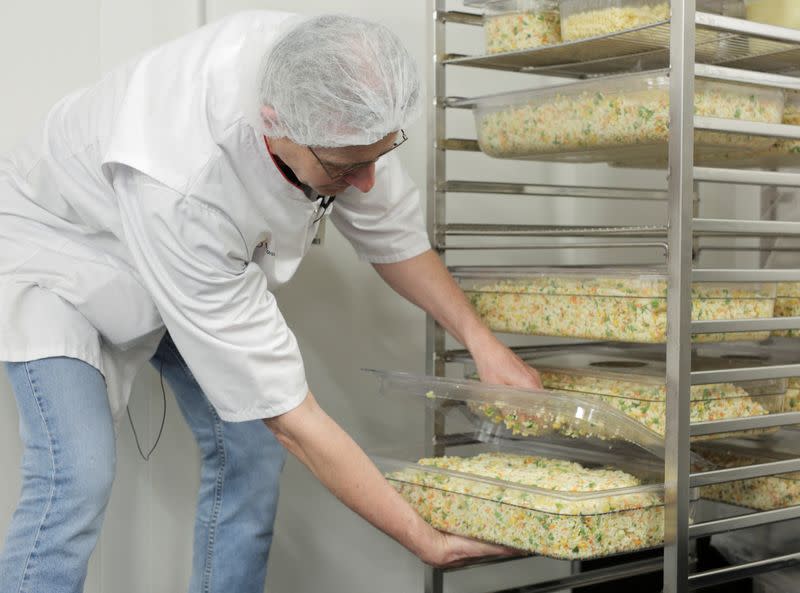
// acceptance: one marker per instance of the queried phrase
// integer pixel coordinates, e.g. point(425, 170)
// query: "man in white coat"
point(151, 217)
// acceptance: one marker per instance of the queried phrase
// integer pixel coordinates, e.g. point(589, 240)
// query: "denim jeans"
point(68, 468)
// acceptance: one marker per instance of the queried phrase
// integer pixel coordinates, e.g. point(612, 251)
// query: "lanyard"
point(326, 202)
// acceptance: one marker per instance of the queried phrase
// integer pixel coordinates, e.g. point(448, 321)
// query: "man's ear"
point(269, 116)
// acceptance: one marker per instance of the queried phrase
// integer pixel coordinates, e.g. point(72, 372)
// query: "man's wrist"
point(479, 338)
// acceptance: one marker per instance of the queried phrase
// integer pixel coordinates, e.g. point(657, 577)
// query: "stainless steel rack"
point(689, 44)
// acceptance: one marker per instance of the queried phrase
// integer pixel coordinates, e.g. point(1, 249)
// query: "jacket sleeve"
point(213, 300)
point(384, 225)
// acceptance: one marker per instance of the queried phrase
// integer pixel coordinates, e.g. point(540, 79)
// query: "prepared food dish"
point(793, 395)
point(791, 116)
point(608, 307)
point(634, 387)
point(783, 13)
point(640, 394)
point(647, 403)
point(512, 31)
point(546, 506)
point(763, 494)
point(787, 304)
point(623, 112)
point(592, 18)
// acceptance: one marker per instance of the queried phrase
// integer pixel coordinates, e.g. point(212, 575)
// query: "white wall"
point(344, 318)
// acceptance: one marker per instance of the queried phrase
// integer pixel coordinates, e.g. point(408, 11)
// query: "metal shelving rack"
point(689, 43)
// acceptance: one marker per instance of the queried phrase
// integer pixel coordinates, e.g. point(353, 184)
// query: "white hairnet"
point(336, 80)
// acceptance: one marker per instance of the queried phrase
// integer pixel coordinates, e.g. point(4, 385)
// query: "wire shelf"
point(748, 46)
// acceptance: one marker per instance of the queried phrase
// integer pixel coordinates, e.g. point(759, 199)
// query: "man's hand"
point(450, 551)
point(497, 364)
point(425, 281)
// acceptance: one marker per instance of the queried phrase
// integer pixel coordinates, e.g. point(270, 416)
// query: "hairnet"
point(336, 80)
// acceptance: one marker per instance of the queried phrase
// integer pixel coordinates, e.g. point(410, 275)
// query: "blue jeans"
point(68, 468)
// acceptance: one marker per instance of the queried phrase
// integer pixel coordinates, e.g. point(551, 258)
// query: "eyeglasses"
point(335, 172)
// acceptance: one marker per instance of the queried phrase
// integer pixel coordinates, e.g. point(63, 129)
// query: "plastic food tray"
point(604, 304)
point(511, 25)
point(560, 502)
point(637, 387)
point(618, 118)
point(779, 352)
point(791, 116)
point(765, 493)
point(592, 18)
point(497, 413)
point(783, 13)
point(787, 303)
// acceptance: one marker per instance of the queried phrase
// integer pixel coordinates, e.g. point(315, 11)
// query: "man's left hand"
point(497, 364)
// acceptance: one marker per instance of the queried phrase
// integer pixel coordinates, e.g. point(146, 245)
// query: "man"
point(150, 218)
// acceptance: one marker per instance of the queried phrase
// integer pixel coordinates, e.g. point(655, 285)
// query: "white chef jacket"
point(149, 202)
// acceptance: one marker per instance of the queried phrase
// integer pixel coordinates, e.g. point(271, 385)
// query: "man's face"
point(321, 168)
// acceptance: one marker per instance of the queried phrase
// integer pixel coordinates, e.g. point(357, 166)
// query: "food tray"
point(553, 501)
point(604, 303)
point(787, 303)
point(618, 118)
point(594, 18)
point(778, 352)
point(764, 493)
point(511, 25)
point(637, 387)
point(783, 13)
point(497, 413)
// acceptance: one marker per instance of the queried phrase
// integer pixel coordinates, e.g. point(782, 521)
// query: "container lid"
point(507, 414)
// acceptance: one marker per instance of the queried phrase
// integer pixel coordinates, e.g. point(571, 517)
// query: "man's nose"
point(362, 179)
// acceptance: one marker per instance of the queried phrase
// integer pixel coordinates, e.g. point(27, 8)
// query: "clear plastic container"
point(604, 304)
point(779, 352)
point(581, 19)
point(511, 25)
point(783, 13)
point(561, 502)
point(594, 18)
point(790, 148)
point(618, 118)
point(497, 413)
point(765, 493)
point(787, 303)
point(637, 387)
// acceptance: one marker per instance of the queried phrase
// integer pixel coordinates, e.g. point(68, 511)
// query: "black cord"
point(163, 418)
point(325, 202)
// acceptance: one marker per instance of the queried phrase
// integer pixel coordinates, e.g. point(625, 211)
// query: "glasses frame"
point(356, 166)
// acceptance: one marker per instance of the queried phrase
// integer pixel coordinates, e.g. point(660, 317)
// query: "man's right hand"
point(449, 551)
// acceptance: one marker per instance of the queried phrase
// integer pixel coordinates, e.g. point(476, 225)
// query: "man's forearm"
point(425, 281)
point(342, 467)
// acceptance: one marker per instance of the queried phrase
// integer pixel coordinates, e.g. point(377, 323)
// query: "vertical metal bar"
point(770, 196)
point(434, 333)
point(681, 164)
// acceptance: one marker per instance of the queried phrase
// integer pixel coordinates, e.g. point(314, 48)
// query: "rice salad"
point(599, 118)
point(521, 30)
point(611, 19)
point(763, 494)
point(611, 308)
point(550, 525)
point(787, 304)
